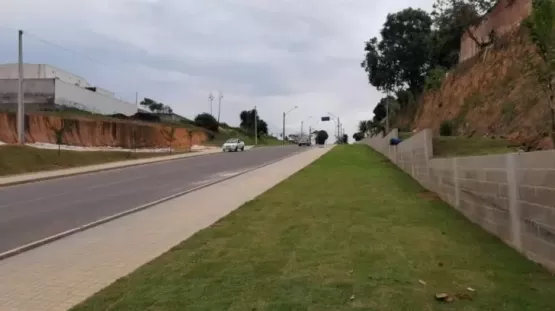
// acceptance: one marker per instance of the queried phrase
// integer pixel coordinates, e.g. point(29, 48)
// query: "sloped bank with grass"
point(349, 232)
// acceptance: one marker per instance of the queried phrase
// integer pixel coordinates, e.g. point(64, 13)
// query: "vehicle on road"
point(233, 144)
point(304, 141)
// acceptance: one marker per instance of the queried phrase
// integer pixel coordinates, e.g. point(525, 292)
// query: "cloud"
point(265, 53)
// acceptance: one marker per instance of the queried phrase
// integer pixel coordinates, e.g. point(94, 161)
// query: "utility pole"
point(386, 113)
point(255, 126)
point(310, 134)
point(137, 99)
point(283, 133)
point(220, 105)
point(302, 129)
point(211, 98)
point(20, 102)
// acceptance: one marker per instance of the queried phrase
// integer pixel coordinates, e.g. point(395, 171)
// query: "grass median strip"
point(23, 159)
point(349, 232)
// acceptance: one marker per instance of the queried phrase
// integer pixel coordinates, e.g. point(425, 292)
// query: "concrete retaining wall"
point(510, 195)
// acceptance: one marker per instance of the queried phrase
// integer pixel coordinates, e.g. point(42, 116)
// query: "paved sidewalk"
point(59, 275)
point(29, 177)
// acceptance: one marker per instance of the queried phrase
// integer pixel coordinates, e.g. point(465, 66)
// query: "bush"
point(207, 121)
point(434, 78)
point(446, 128)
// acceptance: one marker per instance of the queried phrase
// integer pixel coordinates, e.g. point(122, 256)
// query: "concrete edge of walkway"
point(66, 233)
point(13, 180)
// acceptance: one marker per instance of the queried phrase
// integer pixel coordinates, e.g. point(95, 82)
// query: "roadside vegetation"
point(456, 146)
point(384, 243)
point(23, 159)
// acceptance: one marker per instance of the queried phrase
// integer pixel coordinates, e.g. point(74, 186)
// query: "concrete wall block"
point(541, 250)
point(503, 190)
point(482, 162)
point(537, 213)
point(537, 177)
point(496, 176)
point(527, 194)
point(546, 233)
point(529, 227)
point(545, 196)
point(537, 160)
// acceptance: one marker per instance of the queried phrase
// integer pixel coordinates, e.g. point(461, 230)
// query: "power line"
point(45, 41)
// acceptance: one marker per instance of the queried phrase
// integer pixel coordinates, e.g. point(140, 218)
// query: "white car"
point(233, 144)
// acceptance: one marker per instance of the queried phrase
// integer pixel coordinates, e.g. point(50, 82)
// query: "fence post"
point(514, 206)
point(456, 183)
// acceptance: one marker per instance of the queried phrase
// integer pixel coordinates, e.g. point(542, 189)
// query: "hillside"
point(491, 94)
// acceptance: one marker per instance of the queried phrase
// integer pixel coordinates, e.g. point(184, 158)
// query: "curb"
point(32, 245)
point(15, 183)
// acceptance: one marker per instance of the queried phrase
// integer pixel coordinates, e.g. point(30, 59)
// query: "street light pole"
point(255, 126)
point(211, 98)
point(20, 102)
point(283, 133)
point(284, 114)
point(302, 130)
point(220, 105)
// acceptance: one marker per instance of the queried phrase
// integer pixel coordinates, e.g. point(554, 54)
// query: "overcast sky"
point(267, 53)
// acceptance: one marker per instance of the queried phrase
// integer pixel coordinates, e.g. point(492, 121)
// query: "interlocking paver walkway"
point(61, 274)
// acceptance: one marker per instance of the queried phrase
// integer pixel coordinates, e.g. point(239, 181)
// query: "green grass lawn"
point(22, 159)
point(467, 146)
point(349, 232)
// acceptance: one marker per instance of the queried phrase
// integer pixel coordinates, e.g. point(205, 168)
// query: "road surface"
point(33, 211)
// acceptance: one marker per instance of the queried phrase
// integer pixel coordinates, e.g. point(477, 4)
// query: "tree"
point(247, 122)
point(358, 136)
point(363, 127)
point(345, 139)
point(58, 136)
point(207, 121)
point(542, 30)
point(155, 106)
point(402, 57)
point(321, 137)
point(452, 18)
point(169, 135)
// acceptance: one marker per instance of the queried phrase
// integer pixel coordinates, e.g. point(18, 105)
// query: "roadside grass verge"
point(452, 146)
point(24, 159)
point(349, 232)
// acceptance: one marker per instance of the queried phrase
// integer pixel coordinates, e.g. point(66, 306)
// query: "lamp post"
point(338, 125)
point(284, 115)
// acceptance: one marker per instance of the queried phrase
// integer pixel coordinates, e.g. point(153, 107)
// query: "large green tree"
point(247, 122)
point(402, 57)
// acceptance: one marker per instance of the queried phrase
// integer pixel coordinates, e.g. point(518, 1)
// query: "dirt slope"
point(93, 132)
point(490, 94)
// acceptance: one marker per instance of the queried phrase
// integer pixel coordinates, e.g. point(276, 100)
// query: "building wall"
point(505, 16)
point(74, 96)
point(511, 196)
point(39, 93)
point(41, 71)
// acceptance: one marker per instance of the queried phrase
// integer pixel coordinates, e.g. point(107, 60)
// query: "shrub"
point(446, 128)
point(434, 78)
point(207, 121)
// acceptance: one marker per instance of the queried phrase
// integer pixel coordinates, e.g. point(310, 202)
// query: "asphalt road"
point(33, 211)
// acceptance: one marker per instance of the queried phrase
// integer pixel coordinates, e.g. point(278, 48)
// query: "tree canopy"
point(402, 57)
point(321, 137)
point(207, 121)
point(416, 48)
point(247, 122)
point(155, 106)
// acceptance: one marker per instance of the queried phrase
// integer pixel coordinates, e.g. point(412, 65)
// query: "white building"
point(46, 86)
